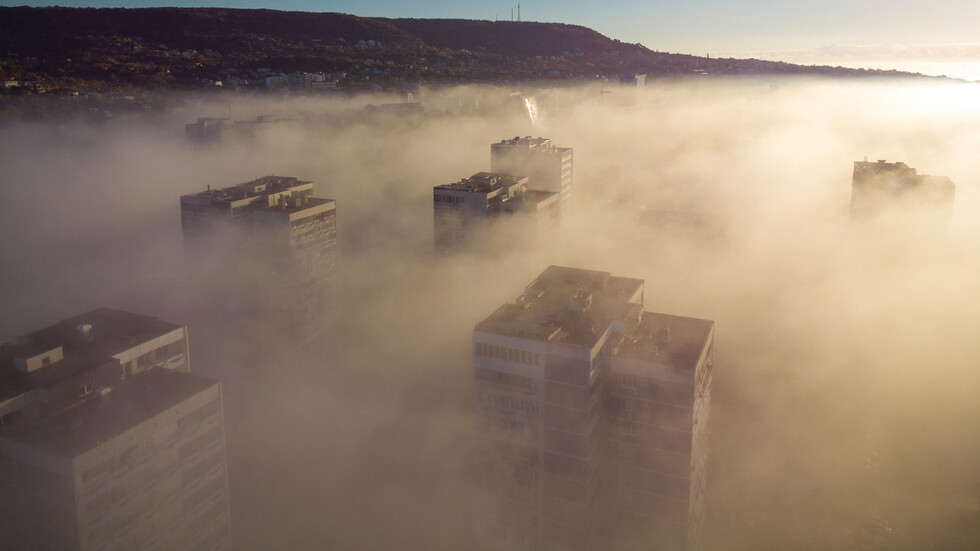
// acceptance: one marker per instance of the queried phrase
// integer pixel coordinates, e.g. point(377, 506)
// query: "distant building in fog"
point(475, 214)
point(271, 232)
point(879, 188)
point(107, 440)
point(593, 416)
point(208, 129)
point(548, 167)
point(211, 129)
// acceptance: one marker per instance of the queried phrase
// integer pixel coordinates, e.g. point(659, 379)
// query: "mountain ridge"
point(187, 48)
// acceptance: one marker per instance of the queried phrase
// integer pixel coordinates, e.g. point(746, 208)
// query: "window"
point(629, 381)
point(628, 428)
point(83, 390)
point(626, 451)
point(535, 358)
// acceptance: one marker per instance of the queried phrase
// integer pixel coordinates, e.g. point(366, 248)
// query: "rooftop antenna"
point(518, 13)
point(512, 14)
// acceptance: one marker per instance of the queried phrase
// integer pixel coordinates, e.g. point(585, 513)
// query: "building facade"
point(548, 167)
point(882, 188)
point(108, 442)
point(489, 211)
point(592, 417)
point(268, 242)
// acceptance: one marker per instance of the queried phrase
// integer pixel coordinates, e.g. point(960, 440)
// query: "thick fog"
point(846, 374)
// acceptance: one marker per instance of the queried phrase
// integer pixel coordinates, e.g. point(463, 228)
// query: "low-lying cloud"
point(836, 345)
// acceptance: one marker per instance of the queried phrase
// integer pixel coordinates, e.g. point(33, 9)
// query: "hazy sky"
point(799, 30)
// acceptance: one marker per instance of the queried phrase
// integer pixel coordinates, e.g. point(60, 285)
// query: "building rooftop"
point(529, 143)
point(484, 182)
point(896, 176)
point(100, 418)
point(290, 205)
point(664, 338)
point(568, 306)
point(265, 185)
point(87, 341)
point(538, 195)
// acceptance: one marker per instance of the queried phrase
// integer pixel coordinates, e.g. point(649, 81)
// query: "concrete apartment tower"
point(267, 244)
point(548, 167)
point(107, 441)
point(592, 417)
point(487, 212)
point(881, 188)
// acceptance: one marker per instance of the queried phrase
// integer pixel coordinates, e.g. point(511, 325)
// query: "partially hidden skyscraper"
point(895, 189)
point(592, 417)
point(267, 244)
point(107, 441)
point(548, 167)
point(489, 211)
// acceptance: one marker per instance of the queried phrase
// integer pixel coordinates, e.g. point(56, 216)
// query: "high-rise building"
point(107, 441)
point(269, 241)
point(593, 416)
point(548, 167)
point(879, 188)
point(488, 211)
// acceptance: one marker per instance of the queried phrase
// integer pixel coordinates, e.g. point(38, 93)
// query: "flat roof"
point(98, 419)
point(290, 207)
point(566, 305)
point(669, 339)
point(110, 332)
point(538, 195)
point(244, 190)
point(527, 142)
point(483, 182)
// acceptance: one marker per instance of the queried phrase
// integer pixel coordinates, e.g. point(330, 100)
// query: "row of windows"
point(509, 402)
point(112, 464)
point(449, 199)
point(195, 418)
point(509, 379)
point(512, 426)
point(509, 354)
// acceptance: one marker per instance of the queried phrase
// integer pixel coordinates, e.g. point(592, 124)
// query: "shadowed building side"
point(592, 416)
point(548, 167)
point(488, 212)
point(108, 440)
point(265, 246)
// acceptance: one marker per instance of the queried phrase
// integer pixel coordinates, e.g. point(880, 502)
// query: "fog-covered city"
point(845, 391)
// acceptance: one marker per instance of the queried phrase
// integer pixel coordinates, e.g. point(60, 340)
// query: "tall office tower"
point(268, 241)
point(107, 441)
point(592, 416)
point(548, 167)
point(488, 211)
point(894, 188)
